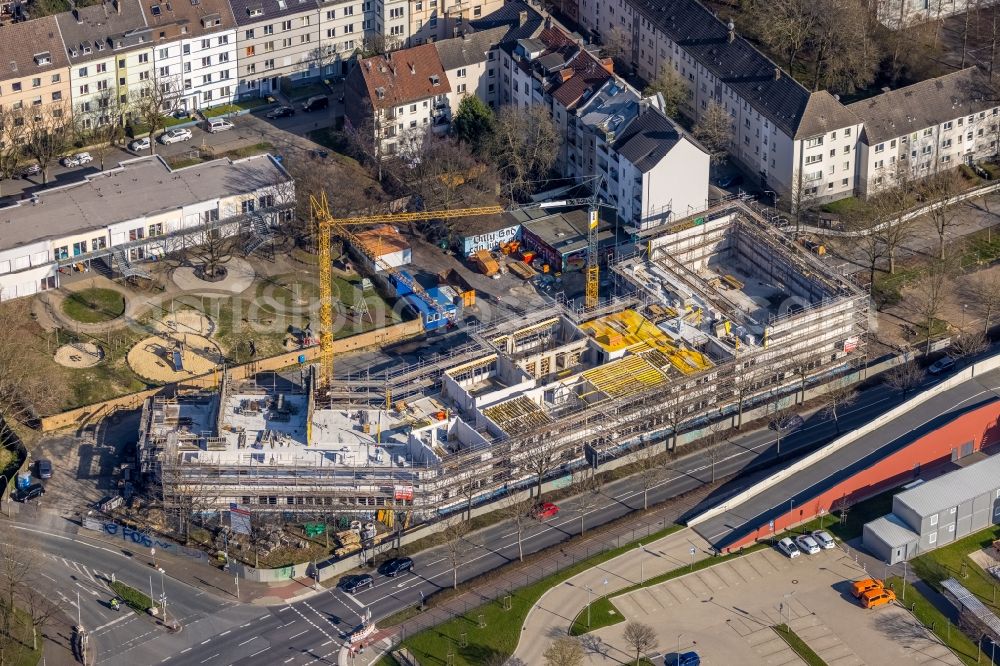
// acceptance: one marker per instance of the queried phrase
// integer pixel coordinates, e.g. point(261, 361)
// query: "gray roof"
point(92, 32)
point(612, 107)
point(953, 488)
point(892, 531)
point(509, 16)
point(270, 9)
point(135, 188)
point(738, 64)
point(925, 104)
point(972, 603)
point(566, 232)
point(470, 49)
point(648, 139)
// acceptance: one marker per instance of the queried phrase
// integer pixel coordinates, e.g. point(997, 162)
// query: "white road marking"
point(186, 650)
point(226, 632)
point(207, 640)
point(261, 651)
point(354, 601)
point(298, 634)
point(249, 640)
point(210, 658)
point(115, 621)
point(282, 610)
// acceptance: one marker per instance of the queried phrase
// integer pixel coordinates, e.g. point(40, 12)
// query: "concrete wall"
point(899, 467)
point(378, 337)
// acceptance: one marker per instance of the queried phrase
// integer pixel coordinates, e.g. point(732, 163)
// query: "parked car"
point(824, 539)
point(787, 424)
point(213, 125)
point(29, 493)
point(807, 544)
point(175, 135)
point(941, 365)
point(43, 468)
point(30, 170)
point(546, 510)
point(316, 103)
point(859, 587)
point(76, 160)
point(355, 584)
point(682, 659)
point(877, 597)
point(397, 566)
point(281, 112)
point(140, 144)
point(788, 547)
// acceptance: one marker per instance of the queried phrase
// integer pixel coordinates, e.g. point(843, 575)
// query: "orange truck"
point(877, 597)
point(859, 587)
point(485, 262)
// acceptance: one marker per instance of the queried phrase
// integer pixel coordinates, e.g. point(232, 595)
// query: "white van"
point(214, 125)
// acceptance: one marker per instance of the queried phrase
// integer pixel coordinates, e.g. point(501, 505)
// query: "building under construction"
point(711, 316)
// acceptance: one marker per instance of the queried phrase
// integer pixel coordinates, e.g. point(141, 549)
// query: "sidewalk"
point(556, 610)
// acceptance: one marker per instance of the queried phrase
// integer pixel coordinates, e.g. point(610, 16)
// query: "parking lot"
point(726, 612)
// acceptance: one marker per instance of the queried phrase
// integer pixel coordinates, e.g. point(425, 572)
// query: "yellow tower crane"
point(327, 225)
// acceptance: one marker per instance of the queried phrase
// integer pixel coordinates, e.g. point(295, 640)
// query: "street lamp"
point(163, 596)
point(590, 600)
point(642, 561)
point(678, 653)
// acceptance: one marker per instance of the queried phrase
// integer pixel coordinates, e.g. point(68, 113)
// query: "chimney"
point(548, 21)
point(777, 73)
point(565, 74)
point(522, 17)
point(732, 31)
point(608, 64)
point(413, 70)
point(118, 6)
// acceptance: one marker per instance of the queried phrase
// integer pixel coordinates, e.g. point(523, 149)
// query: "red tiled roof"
point(404, 76)
point(584, 70)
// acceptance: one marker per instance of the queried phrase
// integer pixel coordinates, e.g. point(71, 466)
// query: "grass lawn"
point(798, 645)
point(841, 206)
point(18, 652)
point(952, 561)
point(135, 599)
point(223, 110)
point(297, 93)
point(603, 612)
point(502, 627)
point(94, 305)
point(933, 619)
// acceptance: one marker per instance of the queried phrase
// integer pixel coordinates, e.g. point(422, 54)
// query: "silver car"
point(807, 544)
point(175, 135)
point(824, 539)
point(788, 547)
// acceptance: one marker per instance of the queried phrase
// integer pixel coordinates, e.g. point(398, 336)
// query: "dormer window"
point(155, 9)
point(255, 11)
point(44, 58)
point(380, 93)
point(435, 80)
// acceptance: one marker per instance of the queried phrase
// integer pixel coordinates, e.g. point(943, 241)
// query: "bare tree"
point(523, 147)
point(940, 189)
point(215, 250)
point(454, 532)
point(617, 45)
point(564, 651)
point(929, 298)
point(51, 132)
point(746, 381)
point(648, 462)
point(780, 415)
point(968, 344)
point(715, 445)
point(867, 239)
point(839, 395)
point(13, 133)
point(786, 26)
point(714, 130)
point(672, 87)
point(588, 499)
point(843, 49)
point(104, 123)
point(540, 461)
point(151, 101)
point(904, 377)
point(38, 608)
point(517, 508)
point(985, 289)
point(641, 637)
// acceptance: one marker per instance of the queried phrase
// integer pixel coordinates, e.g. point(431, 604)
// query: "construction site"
point(709, 317)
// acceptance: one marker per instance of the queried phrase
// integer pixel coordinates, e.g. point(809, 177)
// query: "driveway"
point(726, 612)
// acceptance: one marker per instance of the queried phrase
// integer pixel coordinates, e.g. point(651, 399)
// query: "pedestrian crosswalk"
point(82, 570)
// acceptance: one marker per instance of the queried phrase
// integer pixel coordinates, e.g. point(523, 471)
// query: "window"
point(287, 25)
point(348, 11)
point(305, 21)
point(223, 57)
point(934, 519)
point(268, 47)
point(461, 88)
point(156, 229)
point(928, 131)
point(812, 159)
point(953, 510)
point(143, 57)
point(305, 39)
point(396, 30)
point(268, 29)
point(332, 14)
point(56, 78)
point(948, 125)
point(82, 71)
point(85, 89)
point(946, 143)
point(251, 68)
point(206, 62)
point(248, 34)
point(396, 12)
point(187, 85)
point(163, 53)
point(932, 538)
point(251, 51)
point(223, 40)
point(331, 32)
point(206, 43)
point(269, 63)
point(79, 248)
point(223, 75)
point(186, 49)
point(206, 79)
point(136, 234)
point(16, 87)
point(477, 11)
point(247, 206)
point(461, 72)
point(56, 96)
point(99, 243)
point(879, 148)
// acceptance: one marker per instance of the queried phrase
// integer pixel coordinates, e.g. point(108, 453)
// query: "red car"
point(546, 510)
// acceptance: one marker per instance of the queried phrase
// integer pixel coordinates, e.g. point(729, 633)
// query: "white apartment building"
point(141, 207)
point(96, 38)
point(472, 65)
point(432, 20)
point(277, 40)
point(399, 97)
point(777, 124)
point(650, 169)
point(194, 51)
point(926, 127)
point(902, 13)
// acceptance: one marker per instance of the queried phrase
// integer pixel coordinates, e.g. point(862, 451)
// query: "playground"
point(163, 359)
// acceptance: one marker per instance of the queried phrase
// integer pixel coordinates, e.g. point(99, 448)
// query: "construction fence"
point(369, 339)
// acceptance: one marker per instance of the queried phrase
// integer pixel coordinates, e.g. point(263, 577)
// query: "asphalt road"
point(799, 488)
point(301, 633)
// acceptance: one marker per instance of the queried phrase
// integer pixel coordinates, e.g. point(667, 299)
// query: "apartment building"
point(399, 97)
point(432, 20)
point(926, 127)
point(194, 51)
point(34, 71)
point(897, 14)
point(779, 127)
point(276, 40)
point(471, 65)
point(140, 208)
point(96, 38)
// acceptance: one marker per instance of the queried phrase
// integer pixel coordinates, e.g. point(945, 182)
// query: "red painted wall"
point(981, 425)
